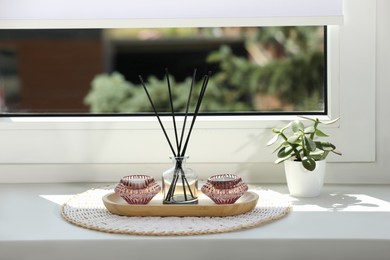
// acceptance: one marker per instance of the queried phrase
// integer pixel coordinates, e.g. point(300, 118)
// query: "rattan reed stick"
point(157, 115)
point(202, 91)
point(186, 113)
point(172, 110)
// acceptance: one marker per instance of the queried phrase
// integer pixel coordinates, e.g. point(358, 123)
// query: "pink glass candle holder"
point(137, 189)
point(224, 188)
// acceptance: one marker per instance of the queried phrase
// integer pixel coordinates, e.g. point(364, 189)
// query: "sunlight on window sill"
point(57, 199)
point(341, 203)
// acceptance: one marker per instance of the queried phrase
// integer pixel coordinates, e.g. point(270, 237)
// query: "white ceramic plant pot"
point(304, 183)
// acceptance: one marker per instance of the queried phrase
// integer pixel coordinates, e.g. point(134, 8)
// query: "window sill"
point(345, 222)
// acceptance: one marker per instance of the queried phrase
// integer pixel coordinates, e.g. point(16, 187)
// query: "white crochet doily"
point(87, 210)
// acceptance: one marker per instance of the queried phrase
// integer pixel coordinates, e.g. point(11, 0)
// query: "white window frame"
point(166, 13)
point(100, 149)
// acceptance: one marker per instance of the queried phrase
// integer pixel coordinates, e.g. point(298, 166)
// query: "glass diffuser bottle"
point(180, 183)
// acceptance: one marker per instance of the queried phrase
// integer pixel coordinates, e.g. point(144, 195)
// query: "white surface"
point(345, 222)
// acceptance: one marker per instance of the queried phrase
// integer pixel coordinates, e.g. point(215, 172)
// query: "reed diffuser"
point(180, 184)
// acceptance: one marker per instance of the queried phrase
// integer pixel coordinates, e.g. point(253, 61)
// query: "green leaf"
point(325, 146)
point(297, 126)
point(276, 131)
point(309, 144)
point(280, 146)
point(285, 127)
point(273, 140)
point(336, 152)
point(319, 155)
point(292, 139)
point(279, 160)
point(285, 151)
point(309, 163)
point(309, 130)
point(324, 155)
point(320, 133)
point(316, 153)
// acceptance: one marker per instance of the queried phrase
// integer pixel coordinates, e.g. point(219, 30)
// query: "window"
point(256, 70)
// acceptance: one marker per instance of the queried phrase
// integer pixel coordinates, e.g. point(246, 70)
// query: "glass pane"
point(96, 71)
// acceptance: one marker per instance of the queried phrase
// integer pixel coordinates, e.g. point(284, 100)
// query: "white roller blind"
point(163, 13)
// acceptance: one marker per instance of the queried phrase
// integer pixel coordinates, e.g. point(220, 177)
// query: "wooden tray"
point(205, 207)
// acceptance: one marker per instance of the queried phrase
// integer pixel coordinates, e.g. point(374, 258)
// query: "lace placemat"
point(87, 210)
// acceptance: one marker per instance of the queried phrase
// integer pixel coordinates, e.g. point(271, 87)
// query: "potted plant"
point(304, 155)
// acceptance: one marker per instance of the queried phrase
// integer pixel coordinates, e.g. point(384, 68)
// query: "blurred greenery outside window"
point(254, 70)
